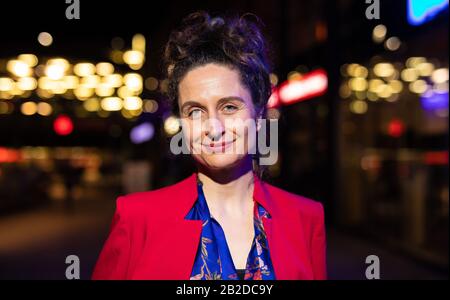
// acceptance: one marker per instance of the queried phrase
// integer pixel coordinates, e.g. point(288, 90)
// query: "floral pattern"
point(213, 260)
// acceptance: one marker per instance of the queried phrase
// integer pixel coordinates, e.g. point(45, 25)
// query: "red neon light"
point(308, 86)
point(436, 158)
point(396, 128)
point(9, 155)
point(63, 125)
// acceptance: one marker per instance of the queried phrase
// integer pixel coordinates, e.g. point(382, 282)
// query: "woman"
point(223, 221)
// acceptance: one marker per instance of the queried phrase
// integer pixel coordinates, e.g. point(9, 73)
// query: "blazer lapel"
point(173, 255)
point(283, 235)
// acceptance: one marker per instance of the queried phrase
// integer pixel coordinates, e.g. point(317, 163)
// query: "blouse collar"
point(188, 187)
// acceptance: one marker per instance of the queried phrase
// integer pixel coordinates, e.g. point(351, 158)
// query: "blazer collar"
point(189, 188)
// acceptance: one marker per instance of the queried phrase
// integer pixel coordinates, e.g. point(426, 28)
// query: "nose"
point(214, 129)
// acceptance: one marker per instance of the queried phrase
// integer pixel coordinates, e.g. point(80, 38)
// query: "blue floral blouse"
point(213, 259)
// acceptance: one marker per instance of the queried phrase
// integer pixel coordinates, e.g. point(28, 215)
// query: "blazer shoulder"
point(290, 200)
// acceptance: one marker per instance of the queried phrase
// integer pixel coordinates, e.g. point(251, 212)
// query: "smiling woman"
point(224, 221)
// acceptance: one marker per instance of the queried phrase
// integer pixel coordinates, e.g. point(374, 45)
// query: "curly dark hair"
point(236, 42)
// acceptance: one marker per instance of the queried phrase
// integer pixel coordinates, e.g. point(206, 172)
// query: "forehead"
point(211, 82)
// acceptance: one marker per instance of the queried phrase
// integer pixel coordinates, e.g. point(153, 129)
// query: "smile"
point(218, 146)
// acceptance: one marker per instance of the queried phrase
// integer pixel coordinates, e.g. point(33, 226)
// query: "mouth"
point(218, 147)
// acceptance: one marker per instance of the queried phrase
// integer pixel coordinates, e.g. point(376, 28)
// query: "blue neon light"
point(434, 101)
point(421, 11)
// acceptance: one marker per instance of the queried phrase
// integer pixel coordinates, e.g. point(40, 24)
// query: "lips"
point(218, 146)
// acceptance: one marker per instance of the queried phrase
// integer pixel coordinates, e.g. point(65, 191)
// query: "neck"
point(228, 191)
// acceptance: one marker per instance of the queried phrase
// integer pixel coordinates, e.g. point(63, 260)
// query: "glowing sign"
point(308, 86)
point(421, 11)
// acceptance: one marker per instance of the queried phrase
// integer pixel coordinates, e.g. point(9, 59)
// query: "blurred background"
point(361, 96)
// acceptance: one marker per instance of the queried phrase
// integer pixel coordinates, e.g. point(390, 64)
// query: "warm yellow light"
point(124, 92)
point(117, 56)
point(138, 43)
point(44, 109)
point(344, 91)
point(19, 68)
point(91, 105)
point(27, 83)
point(43, 93)
point(374, 85)
point(358, 84)
point(379, 33)
point(60, 62)
point(412, 62)
point(45, 39)
point(425, 69)
point(113, 80)
point(58, 87)
point(409, 74)
point(164, 85)
point(104, 90)
point(132, 103)
point(392, 98)
point(394, 75)
point(372, 96)
point(384, 91)
point(28, 108)
point(133, 81)
point(55, 71)
point(126, 114)
point(111, 103)
point(440, 75)
point(6, 84)
point(133, 57)
point(351, 68)
point(358, 107)
point(273, 80)
point(16, 91)
point(360, 71)
point(150, 106)
point(384, 69)
point(151, 83)
point(396, 86)
point(82, 92)
point(5, 95)
point(90, 81)
point(136, 112)
point(44, 83)
point(135, 67)
point(71, 81)
point(360, 95)
point(171, 125)
point(5, 107)
point(418, 86)
point(84, 69)
point(104, 68)
point(30, 59)
point(392, 43)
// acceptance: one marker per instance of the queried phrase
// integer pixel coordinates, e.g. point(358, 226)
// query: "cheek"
point(192, 131)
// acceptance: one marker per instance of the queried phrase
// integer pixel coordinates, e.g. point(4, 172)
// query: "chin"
point(219, 161)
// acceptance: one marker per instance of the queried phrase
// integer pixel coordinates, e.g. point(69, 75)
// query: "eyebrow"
point(221, 100)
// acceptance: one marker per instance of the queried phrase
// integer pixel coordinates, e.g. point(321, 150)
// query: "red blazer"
point(150, 239)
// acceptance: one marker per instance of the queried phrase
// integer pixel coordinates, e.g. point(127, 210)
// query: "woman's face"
point(214, 108)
